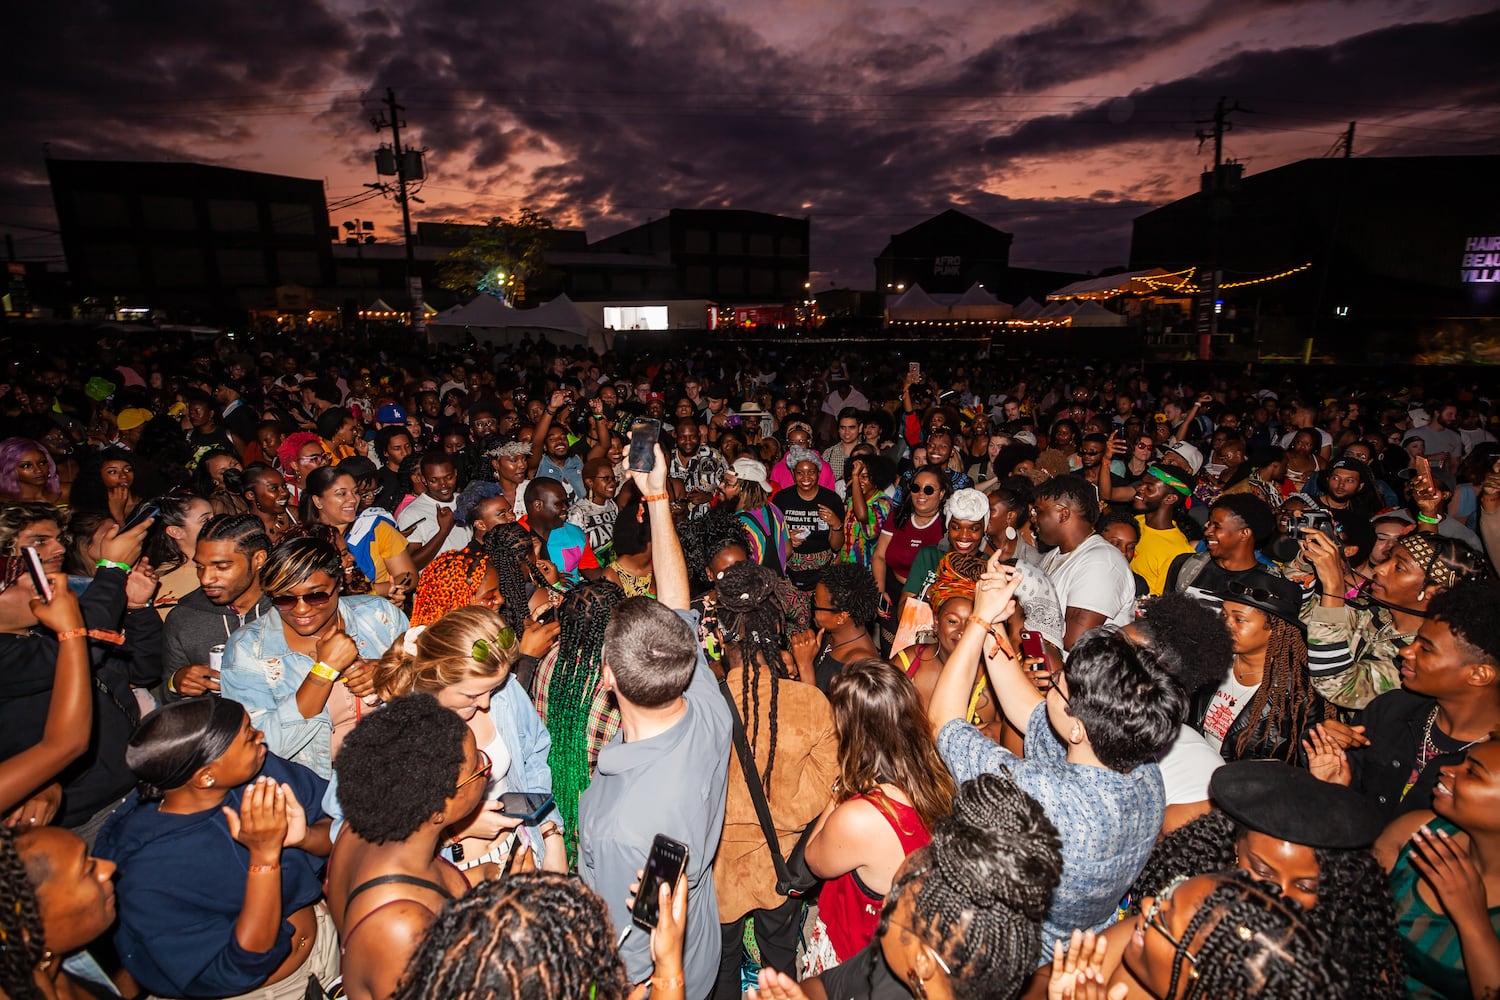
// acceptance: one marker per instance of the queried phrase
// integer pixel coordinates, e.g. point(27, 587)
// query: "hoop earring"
point(1010, 533)
point(1422, 594)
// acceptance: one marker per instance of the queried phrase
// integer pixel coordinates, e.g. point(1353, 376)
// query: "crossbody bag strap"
point(752, 782)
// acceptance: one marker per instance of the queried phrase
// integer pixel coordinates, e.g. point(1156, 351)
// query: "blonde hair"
point(443, 654)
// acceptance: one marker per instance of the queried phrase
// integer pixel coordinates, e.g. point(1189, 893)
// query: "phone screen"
point(665, 864)
point(38, 575)
point(525, 805)
point(644, 434)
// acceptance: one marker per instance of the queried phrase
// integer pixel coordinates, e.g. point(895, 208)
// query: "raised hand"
point(261, 823)
point(1325, 758)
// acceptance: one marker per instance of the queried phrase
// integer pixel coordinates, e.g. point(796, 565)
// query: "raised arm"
point(668, 568)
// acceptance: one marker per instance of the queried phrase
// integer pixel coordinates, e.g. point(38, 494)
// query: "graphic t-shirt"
point(802, 517)
point(1228, 702)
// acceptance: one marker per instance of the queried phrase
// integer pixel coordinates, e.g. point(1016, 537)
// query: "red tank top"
point(850, 910)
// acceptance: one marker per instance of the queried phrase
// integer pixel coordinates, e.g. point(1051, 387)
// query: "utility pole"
point(402, 172)
point(1214, 191)
point(1348, 142)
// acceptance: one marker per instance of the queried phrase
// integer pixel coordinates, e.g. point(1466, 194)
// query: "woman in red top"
point(892, 787)
point(917, 522)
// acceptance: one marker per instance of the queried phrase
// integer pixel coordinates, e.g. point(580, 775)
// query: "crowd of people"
point(367, 674)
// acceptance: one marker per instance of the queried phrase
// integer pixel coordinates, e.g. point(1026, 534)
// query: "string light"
point(1270, 277)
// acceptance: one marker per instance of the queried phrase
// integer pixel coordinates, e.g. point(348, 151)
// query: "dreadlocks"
point(23, 940)
point(540, 934)
point(579, 713)
point(752, 617)
point(1354, 906)
point(450, 581)
point(508, 547)
point(982, 887)
point(1246, 942)
point(1285, 693)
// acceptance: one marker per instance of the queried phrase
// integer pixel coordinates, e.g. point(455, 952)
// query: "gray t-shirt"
point(672, 783)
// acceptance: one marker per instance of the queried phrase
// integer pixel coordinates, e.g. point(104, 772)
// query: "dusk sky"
point(1058, 122)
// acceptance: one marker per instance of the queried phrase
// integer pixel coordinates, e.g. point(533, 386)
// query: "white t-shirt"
point(1228, 702)
point(1325, 439)
point(1094, 577)
point(1188, 766)
point(422, 512)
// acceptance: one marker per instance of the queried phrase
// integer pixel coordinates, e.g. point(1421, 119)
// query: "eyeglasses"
point(1153, 918)
point(927, 490)
point(505, 640)
point(317, 599)
point(314, 459)
point(485, 766)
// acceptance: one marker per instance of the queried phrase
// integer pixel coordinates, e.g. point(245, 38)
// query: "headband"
point(1425, 551)
point(1166, 476)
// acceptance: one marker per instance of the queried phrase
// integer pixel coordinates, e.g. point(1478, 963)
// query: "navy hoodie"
point(181, 886)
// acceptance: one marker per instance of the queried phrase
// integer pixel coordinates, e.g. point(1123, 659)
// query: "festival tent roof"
point(1118, 284)
point(1093, 314)
point(1027, 308)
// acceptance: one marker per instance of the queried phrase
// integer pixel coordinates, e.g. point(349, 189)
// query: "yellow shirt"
point(1154, 554)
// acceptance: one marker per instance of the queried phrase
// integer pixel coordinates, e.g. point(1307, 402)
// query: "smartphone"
point(146, 510)
point(915, 368)
point(528, 806)
point(644, 433)
point(665, 863)
point(547, 614)
point(1032, 648)
point(38, 575)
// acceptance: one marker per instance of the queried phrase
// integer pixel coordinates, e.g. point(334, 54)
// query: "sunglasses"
point(317, 599)
point(1245, 590)
point(927, 490)
point(483, 647)
point(485, 766)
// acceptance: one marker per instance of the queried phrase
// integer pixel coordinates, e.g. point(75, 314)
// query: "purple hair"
point(11, 450)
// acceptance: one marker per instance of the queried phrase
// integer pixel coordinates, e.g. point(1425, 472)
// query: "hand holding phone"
point(644, 433)
point(525, 806)
point(664, 865)
point(38, 574)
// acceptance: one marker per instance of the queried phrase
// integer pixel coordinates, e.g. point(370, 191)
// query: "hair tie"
point(409, 640)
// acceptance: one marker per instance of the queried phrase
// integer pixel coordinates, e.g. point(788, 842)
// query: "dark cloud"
point(607, 113)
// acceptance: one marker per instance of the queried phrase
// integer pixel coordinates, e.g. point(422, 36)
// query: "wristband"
point(668, 982)
point(265, 869)
point(653, 497)
point(1428, 520)
point(72, 633)
point(111, 564)
point(323, 670)
point(987, 626)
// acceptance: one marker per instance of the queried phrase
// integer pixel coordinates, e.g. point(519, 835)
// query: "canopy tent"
point(1027, 308)
point(560, 322)
point(974, 305)
point(1091, 313)
point(978, 304)
point(1143, 282)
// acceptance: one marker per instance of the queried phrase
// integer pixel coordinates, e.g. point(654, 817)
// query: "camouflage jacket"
point(1353, 652)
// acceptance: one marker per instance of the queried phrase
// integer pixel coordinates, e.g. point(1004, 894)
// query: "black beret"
point(1290, 804)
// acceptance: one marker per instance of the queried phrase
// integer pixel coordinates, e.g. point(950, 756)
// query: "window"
point(730, 280)
point(731, 243)
point(245, 267)
point(101, 209)
point(695, 241)
point(762, 281)
point(167, 212)
point(789, 246)
point(177, 267)
point(233, 216)
point(761, 245)
point(291, 219)
point(298, 267)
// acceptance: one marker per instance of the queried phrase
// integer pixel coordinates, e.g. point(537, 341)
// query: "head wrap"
point(957, 574)
point(968, 505)
point(797, 454)
point(1167, 476)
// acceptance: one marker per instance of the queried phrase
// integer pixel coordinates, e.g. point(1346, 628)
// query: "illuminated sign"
point(1481, 263)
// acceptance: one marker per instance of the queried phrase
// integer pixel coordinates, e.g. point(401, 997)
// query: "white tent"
point(1091, 313)
point(487, 318)
point(1027, 308)
point(978, 304)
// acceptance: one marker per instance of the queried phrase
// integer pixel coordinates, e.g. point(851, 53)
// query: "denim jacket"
point(263, 674)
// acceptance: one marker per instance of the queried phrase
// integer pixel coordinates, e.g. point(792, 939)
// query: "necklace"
point(1429, 750)
point(923, 527)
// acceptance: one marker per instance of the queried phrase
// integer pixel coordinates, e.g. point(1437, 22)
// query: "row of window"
point(126, 266)
point(175, 213)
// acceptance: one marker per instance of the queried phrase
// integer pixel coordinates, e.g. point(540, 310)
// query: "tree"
point(501, 258)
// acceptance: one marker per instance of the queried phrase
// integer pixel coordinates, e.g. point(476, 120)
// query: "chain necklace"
point(1429, 749)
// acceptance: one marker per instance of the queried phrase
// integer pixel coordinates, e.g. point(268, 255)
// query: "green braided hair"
point(572, 692)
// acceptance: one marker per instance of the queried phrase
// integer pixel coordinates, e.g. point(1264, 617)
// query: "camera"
point(1310, 521)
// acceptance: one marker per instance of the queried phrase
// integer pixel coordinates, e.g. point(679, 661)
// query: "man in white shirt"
point(427, 522)
point(1092, 578)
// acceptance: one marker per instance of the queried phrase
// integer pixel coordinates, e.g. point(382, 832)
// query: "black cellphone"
point(146, 510)
point(39, 580)
point(644, 433)
point(546, 615)
point(528, 806)
point(665, 863)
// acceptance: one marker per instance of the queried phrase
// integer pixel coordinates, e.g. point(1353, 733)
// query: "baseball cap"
point(1189, 454)
point(748, 469)
point(390, 413)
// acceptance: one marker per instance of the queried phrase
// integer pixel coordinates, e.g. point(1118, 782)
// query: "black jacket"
point(1394, 724)
point(100, 776)
point(1273, 739)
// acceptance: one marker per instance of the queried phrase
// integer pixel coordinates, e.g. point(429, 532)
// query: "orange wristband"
point(264, 869)
point(650, 497)
point(72, 633)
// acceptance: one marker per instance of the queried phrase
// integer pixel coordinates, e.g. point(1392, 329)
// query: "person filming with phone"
point(666, 771)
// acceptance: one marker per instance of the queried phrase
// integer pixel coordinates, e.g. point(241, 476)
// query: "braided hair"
point(1244, 941)
point(752, 616)
point(703, 538)
point(1354, 906)
point(540, 934)
point(981, 889)
point(573, 693)
point(23, 939)
point(1285, 692)
point(450, 581)
point(508, 547)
